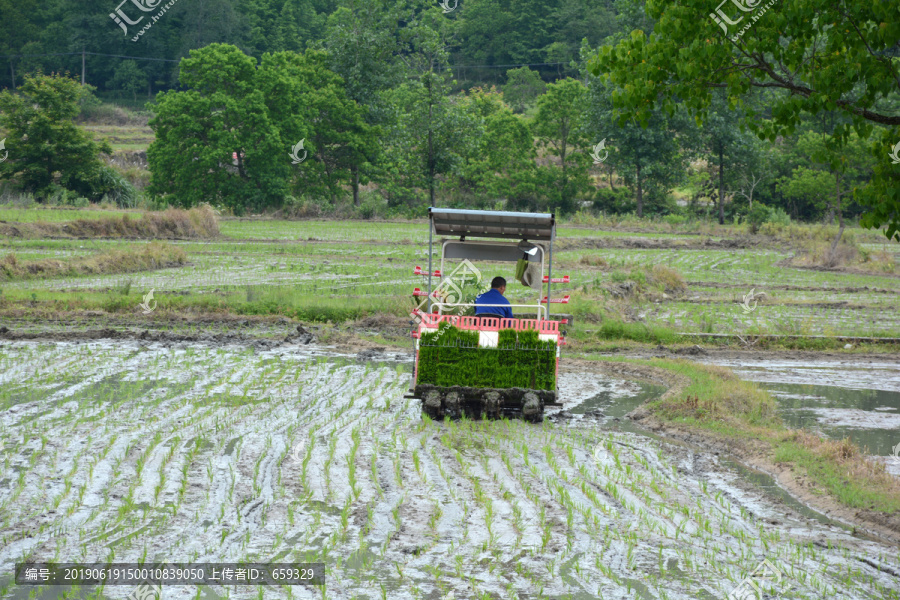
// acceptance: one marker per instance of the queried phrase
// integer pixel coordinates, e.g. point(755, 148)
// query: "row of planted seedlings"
point(500, 492)
point(155, 439)
point(657, 514)
point(253, 513)
point(484, 525)
point(346, 420)
point(726, 544)
point(559, 531)
point(47, 386)
point(495, 512)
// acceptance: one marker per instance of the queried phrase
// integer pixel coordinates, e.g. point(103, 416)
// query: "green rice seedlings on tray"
point(451, 356)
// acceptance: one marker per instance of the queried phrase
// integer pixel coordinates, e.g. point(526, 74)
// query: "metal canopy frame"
point(493, 224)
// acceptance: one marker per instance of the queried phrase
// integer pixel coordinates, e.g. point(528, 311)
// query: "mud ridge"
point(789, 263)
point(797, 288)
point(660, 244)
point(301, 336)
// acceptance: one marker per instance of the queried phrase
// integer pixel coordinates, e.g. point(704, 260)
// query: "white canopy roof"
point(493, 224)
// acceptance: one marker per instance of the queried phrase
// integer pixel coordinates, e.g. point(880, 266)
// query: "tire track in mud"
point(501, 509)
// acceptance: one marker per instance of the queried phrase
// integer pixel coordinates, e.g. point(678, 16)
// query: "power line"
point(545, 64)
point(134, 57)
point(92, 54)
point(501, 66)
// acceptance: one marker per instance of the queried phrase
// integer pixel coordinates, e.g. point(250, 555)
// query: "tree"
point(753, 169)
point(806, 188)
point(208, 23)
point(821, 56)
point(503, 154)
point(430, 139)
point(522, 87)
point(501, 32)
point(45, 146)
point(826, 171)
point(17, 28)
point(305, 98)
point(558, 126)
point(222, 114)
point(649, 159)
point(721, 142)
point(129, 78)
point(361, 49)
point(430, 130)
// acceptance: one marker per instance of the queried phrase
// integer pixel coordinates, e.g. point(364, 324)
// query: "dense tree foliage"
point(222, 114)
point(46, 150)
point(818, 55)
point(400, 102)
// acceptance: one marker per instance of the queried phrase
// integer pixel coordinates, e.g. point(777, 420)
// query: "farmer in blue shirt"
point(494, 296)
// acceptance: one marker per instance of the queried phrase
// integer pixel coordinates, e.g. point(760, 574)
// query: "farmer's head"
point(499, 284)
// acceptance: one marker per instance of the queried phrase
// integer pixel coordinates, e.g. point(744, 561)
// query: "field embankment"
point(155, 255)
point(171, 224)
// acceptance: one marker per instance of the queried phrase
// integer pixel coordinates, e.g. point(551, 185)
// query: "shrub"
point(768, 220)
point(758, 215)
point(675, 219)
point(615, 201)
point(668, 278)
point(594, 260)
point(778, 216)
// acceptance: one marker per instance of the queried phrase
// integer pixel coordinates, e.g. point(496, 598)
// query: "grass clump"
point(155, 255)
point(842, 469)
point(716, 395)
point(613, 329)
point(451, 356)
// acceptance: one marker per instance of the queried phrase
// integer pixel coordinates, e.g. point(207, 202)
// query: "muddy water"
point(837, 398)
point(207, 453)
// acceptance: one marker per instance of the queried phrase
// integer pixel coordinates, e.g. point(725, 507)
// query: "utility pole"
point(82, 65)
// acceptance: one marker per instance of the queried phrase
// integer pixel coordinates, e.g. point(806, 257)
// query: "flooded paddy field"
point(209, 452)
point(372, 264)
point(836, 397)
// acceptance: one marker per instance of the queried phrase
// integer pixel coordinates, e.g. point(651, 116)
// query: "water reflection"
point(871, 418)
